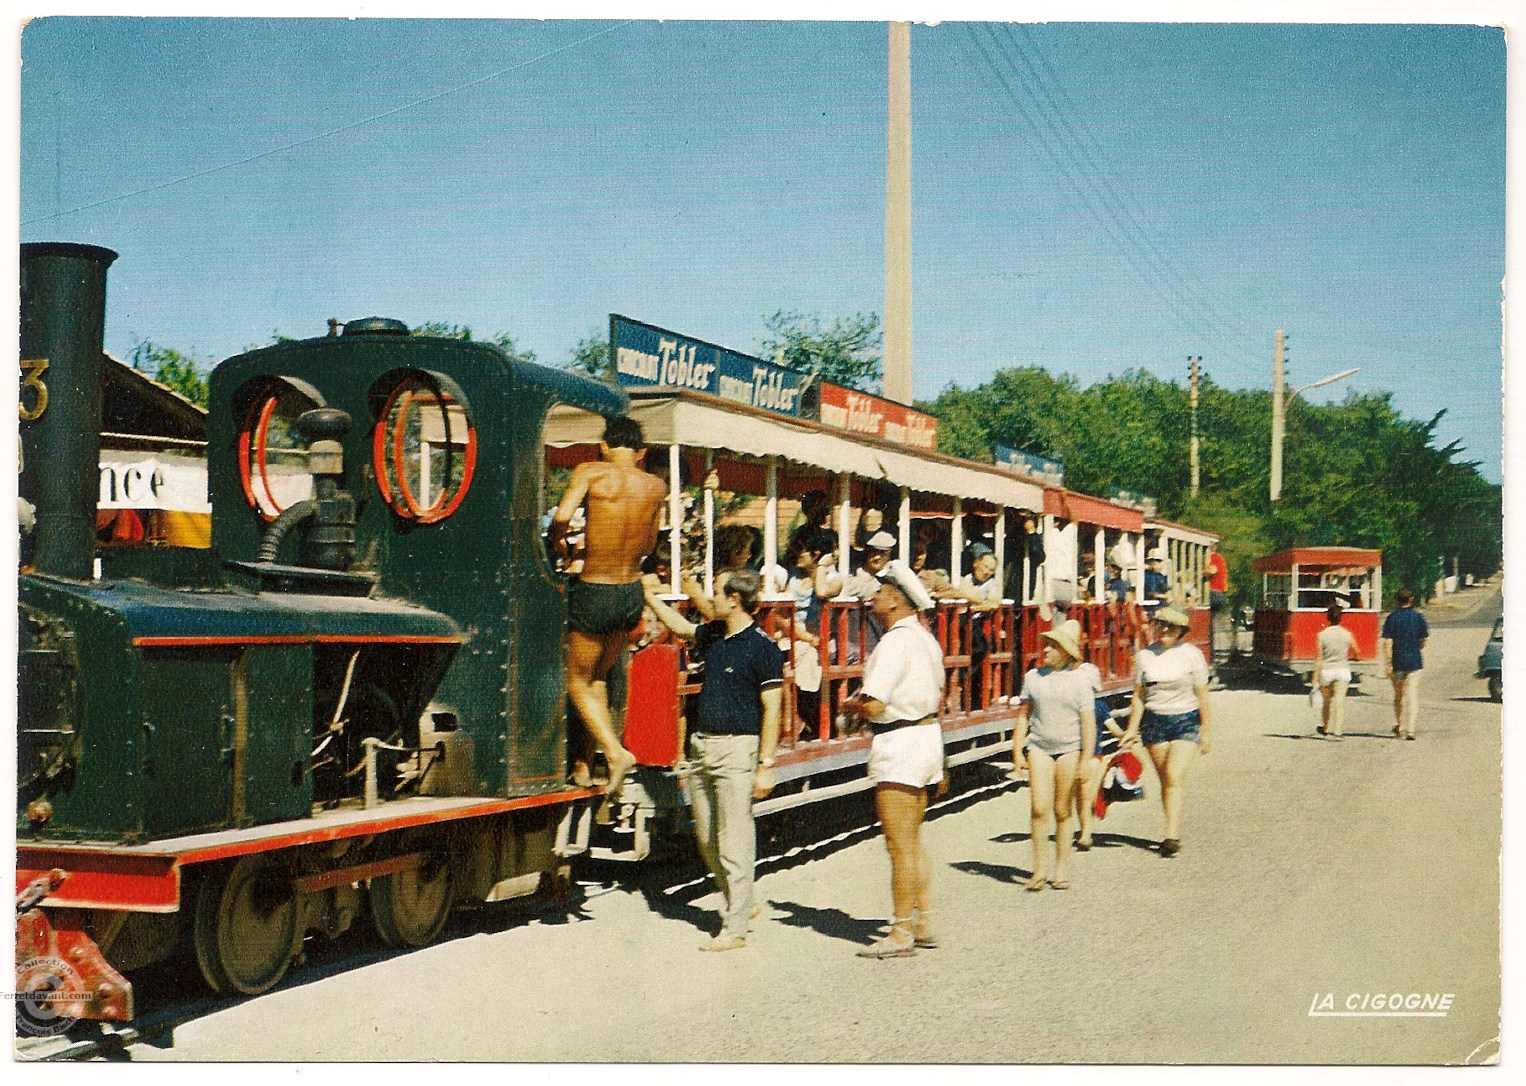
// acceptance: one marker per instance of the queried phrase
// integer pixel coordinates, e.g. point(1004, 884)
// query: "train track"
point(785, 841)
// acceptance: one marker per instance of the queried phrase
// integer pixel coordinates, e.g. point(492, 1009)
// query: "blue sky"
point(1086, 197)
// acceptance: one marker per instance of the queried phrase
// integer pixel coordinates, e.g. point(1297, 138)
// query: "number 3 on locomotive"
point(33, 368)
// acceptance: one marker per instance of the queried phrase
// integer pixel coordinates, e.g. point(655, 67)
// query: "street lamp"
point(1279, 410)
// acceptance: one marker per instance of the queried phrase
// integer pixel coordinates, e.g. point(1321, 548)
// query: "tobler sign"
point(650, 357)
point(865, 414)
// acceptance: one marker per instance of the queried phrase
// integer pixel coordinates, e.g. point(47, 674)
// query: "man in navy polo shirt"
point(1404, 635)
point(732, 738)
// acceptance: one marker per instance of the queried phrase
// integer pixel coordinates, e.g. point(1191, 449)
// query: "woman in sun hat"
point(1169, 713)
point(1056, 732)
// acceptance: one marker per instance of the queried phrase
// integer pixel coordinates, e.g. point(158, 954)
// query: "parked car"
point(1489, 662)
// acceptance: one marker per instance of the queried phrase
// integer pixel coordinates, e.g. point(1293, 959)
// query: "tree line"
point(1355, 473)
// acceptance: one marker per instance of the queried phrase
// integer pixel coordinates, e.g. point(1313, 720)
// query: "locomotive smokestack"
point(63, 325)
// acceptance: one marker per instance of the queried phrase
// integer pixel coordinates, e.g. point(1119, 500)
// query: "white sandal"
point(890, 946)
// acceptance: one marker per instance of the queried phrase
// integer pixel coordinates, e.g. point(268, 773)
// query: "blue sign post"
point(651, 357)
point(1046, 469)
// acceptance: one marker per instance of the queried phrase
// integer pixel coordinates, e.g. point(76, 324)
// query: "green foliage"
point(590, 357)
point(174, 369)
point(846, 353)
point(502, 340)
point(1355, 473)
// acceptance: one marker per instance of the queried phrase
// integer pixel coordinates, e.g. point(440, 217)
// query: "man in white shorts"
point(902, 689)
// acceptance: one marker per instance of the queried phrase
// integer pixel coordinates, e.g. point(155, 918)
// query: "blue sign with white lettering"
point(650, 357)
point(1046, 469)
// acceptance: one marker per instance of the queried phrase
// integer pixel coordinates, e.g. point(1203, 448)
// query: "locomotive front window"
point(425, 448)
point(272, 456)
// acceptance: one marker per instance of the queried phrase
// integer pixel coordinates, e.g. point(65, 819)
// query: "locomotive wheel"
point(246, 930)
point(410, 907)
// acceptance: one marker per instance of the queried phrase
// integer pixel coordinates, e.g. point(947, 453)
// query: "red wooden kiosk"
point(1298, 586)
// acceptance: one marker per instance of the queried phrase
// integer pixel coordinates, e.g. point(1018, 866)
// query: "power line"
point(331, 132)
point(1091, 158)
point(1148, 265)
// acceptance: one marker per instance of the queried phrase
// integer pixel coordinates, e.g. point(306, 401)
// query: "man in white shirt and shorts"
point(902, 689)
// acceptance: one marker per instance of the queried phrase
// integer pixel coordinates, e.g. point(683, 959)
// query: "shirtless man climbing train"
point(605, 600)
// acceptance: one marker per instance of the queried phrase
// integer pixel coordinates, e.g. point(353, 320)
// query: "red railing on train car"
point(951, 626)
point(985, 653)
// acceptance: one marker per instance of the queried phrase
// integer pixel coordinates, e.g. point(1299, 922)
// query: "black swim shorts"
point(600, 609)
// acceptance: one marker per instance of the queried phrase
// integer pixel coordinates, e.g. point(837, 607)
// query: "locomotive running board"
point(863, 784)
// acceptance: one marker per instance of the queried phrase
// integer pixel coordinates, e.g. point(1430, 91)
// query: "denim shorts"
point(1166, 727)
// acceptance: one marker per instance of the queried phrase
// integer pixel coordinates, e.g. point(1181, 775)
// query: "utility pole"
point(898, 219)
point(1192, 367)
point(1277, 416)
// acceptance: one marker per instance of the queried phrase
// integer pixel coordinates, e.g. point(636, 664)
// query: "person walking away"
point(1332, 672)
point(903, 686)
point(731, 745)
point(1170, 714)
point(622, 509)
point(1404, 636)
point(1056, 734)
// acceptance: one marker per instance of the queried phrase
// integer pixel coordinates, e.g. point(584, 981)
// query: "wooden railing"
point(985, 653)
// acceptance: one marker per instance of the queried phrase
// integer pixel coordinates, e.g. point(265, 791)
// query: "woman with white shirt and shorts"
point(902, 689)
point(1056, 732)
point(1332, 672)
point(1170, 714)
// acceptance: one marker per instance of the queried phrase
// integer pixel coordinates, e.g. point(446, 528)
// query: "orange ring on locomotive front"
point(390, 469)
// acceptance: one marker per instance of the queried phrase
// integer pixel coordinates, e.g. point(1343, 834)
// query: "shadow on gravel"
point(999, 872)
point(833, 923)
point(1099, 840)
point(1485, 699)
point(1323, 739)
point(673, 907)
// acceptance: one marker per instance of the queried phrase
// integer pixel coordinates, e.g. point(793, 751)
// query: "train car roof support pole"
point(905, 525)
point(675, 514)
point(710, 522)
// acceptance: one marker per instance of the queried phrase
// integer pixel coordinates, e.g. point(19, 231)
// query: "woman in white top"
point(1056, 731)
point(1332, 672)
point(1169, 713)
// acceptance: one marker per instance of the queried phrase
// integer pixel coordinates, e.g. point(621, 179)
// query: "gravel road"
point(1309, 868)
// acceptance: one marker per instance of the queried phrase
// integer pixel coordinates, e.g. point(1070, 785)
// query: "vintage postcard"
point(633, 537)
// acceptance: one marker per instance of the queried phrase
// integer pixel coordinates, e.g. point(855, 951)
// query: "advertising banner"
point(1046, 469)
point(136, 480)
point(865, 414)
point(651, 357)
point(1133, 499)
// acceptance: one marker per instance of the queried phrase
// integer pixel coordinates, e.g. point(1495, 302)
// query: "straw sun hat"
point(1170, 616)
point(1067, 636)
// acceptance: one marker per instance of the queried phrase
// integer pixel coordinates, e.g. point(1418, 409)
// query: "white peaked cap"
point(880, 541)
point(900, 575)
